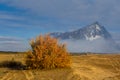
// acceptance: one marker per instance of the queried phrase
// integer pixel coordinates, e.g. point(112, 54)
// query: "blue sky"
point(21, 20)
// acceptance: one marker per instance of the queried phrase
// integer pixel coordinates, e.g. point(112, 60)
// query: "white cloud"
point(8, 38)
point(11, 20)
point(106, 11)
point(13, 44)
point(116, 37)
point(9, 17)
point(98, 46)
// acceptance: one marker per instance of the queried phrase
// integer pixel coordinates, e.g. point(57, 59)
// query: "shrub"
point(47, 53)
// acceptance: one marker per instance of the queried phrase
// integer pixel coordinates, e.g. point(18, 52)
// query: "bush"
point(47, 53)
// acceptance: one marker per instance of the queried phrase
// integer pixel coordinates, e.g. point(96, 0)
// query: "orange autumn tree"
point(47, 53)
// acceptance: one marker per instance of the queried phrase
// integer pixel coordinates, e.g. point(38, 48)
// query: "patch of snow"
point(92, 37)
point(97, 27)
point(86, 37)
point(91, 32)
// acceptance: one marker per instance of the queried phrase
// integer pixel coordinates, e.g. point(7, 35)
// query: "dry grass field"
point(84, 67)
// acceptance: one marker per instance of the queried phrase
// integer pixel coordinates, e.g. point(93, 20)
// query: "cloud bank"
point(96, 46)
point(12, 44)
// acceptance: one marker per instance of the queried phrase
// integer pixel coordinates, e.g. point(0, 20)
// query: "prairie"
point(84, 67)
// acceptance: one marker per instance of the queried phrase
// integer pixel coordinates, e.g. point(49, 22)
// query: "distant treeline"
point(90, 53)
point(81, 53)
point(10, 52)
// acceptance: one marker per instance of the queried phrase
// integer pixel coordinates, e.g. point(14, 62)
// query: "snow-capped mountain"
point(91, 38)
point(90, 32)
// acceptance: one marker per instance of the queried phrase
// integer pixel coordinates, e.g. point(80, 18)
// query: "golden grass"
point(98, 66)
point(84, 67)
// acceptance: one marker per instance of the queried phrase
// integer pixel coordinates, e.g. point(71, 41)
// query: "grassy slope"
point(84, 67)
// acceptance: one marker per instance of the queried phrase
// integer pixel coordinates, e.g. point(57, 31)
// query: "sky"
point(22, 20)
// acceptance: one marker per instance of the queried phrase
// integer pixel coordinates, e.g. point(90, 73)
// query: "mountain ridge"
point(89, 32)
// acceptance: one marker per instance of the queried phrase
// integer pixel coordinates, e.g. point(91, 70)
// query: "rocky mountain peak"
point(90, 32)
